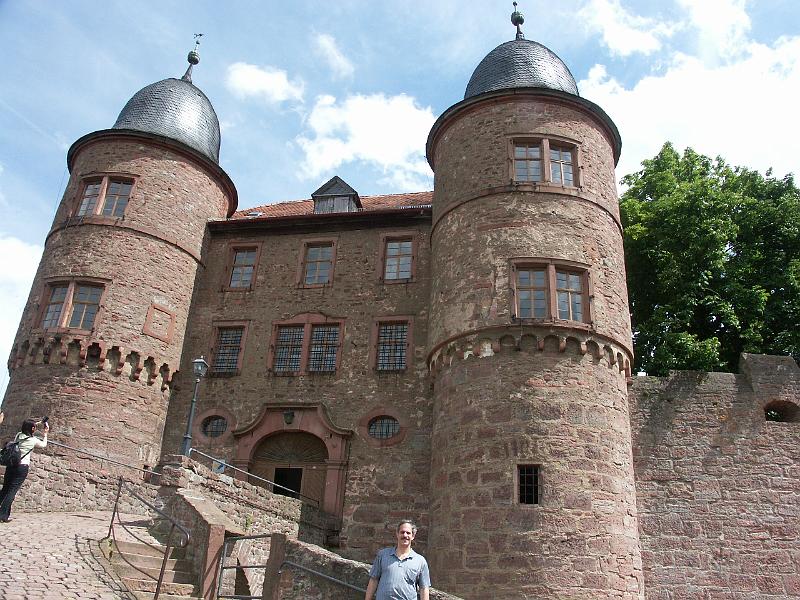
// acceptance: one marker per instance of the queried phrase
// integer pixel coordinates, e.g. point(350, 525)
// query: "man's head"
point(406, 531)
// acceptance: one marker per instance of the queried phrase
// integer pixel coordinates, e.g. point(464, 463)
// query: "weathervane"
point(517, 18)
point(193, 58)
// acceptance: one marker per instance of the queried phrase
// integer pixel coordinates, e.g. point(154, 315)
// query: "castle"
point(462, 356)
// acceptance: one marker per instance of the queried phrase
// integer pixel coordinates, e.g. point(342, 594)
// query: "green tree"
point(713, 259)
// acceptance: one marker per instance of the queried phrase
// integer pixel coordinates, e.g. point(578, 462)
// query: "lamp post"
point(199, 368)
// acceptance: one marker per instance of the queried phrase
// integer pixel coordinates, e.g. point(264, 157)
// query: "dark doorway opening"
point(288, 477)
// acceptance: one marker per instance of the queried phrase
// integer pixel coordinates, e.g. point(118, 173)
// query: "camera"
point(45, 420)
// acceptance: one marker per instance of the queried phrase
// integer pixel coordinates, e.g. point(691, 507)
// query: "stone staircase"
point(138, 564)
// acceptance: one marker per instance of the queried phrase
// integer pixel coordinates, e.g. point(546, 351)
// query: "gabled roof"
point(306, 207)
point(336, 186)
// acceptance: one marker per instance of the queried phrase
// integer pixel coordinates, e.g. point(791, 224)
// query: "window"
point(214, 426)
point(324, 347)
point(227, 350)
point(782, 411)
point(398, 257)
point(317, 264)
point(117, 198)
point(561, 165)
point(244, 265)
point(383, 427)
point(71, 304)
point(308, 344)
point(551, 291)
point(110, 193)
point(528, 164)
point(529, 484)
point(392, 346)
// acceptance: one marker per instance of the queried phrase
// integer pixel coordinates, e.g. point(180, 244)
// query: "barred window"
point(228, 349)
point(392, 345)
point(527, 162)
point(383, 427)
point(52, 312)
point(244, 264)
point(318, 264)
point(288, 349)
point(85, 304)
point(529, 484)
point(324, 346)
point(91, 192)
point(397, 260)
point(214, 426)
point(116, 198)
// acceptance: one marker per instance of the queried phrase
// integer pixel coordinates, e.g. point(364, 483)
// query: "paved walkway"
point(56, 556)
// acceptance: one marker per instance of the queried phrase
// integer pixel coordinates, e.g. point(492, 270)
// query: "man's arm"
point(372, 586)
point(424, 593)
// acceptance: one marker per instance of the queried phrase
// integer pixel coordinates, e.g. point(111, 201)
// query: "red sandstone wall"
point(718, 487)
point(382, 484)
point(107, 390)
point(509, 392)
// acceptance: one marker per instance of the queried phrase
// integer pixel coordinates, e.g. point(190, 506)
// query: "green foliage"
point(713, 259)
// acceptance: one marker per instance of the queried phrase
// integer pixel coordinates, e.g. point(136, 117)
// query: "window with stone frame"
point(227, 351)
point(311, 344)
point(71, 305)
point(107, 196)
point(318, 264)
point(392, 346)
point(550, 291)
point(544, 160)
point(398, 259)
point(243, 268)
point(527, 161)
point(529, 484)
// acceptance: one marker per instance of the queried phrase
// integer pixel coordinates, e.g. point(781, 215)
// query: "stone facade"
point(718, 486)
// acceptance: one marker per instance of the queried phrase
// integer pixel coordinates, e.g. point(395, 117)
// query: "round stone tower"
point(102, 332)
point(530, 345)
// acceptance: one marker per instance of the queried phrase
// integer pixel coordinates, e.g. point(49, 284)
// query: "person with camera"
point(15, 474)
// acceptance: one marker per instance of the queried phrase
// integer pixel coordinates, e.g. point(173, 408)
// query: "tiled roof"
point(306, 207)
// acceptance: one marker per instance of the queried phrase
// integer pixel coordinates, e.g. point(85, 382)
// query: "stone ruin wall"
point(718, 486)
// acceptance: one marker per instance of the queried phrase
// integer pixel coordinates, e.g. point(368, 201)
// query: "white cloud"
point(387, 132)
point(16, 276)
point(722, 26)
point(740, 110)
point(327, 48)
point(267, 83)
point(623, 32)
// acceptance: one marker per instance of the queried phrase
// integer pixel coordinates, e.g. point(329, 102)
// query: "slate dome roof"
point(176, 109)
point(520, 63)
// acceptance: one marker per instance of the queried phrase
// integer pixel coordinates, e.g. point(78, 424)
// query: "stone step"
point(136, 584)
point(134, 572)
point(149, 596)
point(148, 561)
point(148, 549)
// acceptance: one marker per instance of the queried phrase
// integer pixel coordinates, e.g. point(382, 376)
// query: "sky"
point(307, 90)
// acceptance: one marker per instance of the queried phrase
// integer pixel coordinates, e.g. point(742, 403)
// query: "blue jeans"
point(12, 481)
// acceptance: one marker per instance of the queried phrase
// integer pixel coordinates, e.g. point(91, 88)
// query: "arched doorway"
point(295, 460)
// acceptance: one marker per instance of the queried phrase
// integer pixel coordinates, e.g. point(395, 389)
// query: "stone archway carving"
point(299, 418)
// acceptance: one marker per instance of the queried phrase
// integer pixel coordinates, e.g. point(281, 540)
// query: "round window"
point(214, 426)
point(383, 427)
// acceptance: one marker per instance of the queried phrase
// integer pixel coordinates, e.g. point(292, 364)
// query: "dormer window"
point(335, 197)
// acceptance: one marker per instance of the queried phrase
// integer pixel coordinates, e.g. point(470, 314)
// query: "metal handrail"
point(272, 483)
point(222, 567)
point(323, 575)
point(183, 540)
point(105, 458)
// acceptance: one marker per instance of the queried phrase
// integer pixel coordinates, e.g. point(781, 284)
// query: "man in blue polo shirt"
point(397, 572)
